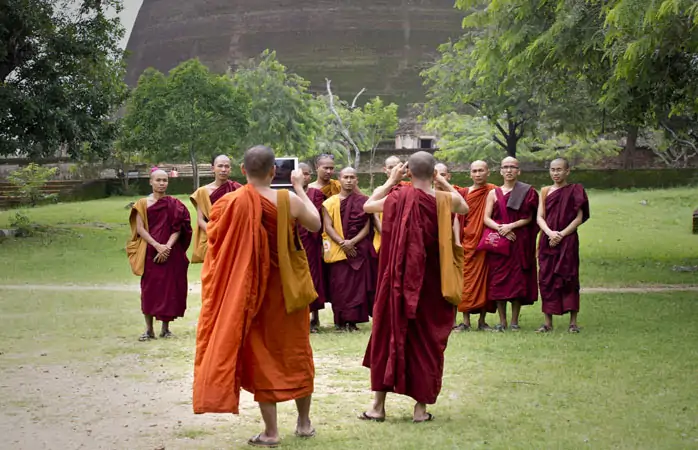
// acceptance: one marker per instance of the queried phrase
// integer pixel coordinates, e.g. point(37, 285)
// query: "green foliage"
point(22, 225)
point(29, 181)
point(61, 77)
point(281, 113)
point(188, 115)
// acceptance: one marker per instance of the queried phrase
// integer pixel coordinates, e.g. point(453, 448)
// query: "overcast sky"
point(128, 17)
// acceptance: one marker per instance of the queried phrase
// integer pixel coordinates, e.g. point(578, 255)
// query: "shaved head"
point(324, 159)
point(563, 161)
point(479, 164)
point(392, 161)
point(157, 173)
point(510, 161)
point(421, 165)
point(441, 167)
point(304, 166)
point(220, 158)
point(347, 170)
point(259, 161)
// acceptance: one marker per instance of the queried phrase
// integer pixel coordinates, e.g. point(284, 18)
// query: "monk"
point(160, 237)
point(253, 331)
point(390, 163)
point(205, 197)
point(475, 269)
point(510, 211)
point(324, 165)
point(349, 251)
point(563, 208)
point(312, 243)
point(411, 318)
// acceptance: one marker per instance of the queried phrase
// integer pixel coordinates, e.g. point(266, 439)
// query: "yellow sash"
point(136, 247)
point(450, 251)
point(332, 252)
point(200, 199)
point(299, 291)
point(377, 235)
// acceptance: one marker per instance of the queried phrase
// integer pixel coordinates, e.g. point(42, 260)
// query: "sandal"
point(429, 418)
point(515, 327)
point(498, 328)
point(146, 337)
point(256, 441)
point(544, 329)
point(167, 335)
point(484, 327)
point(573, 329)
point(365, 416)
point(461, 327)
point(305, 435)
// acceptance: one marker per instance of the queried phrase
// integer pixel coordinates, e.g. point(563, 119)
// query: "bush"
point(29, 180)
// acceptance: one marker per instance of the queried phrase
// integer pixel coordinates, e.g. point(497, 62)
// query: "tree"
point(61, 77)
point(186, 115)
point(635, 60)
point(29, 180)
point(282, 114)
point(371, 125)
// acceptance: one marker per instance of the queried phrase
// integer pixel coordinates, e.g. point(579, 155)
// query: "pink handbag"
point(491, 241)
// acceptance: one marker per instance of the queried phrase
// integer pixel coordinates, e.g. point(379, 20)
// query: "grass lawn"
point(71, 369)
point(625, 242)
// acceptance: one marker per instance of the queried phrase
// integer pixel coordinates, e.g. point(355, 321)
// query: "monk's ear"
point(242, 169)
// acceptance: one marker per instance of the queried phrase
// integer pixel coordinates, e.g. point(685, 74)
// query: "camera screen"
point(284, 167)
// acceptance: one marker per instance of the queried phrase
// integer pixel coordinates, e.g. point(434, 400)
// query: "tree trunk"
point(357, 159)
point(370, 168)
point(630, 147)
point(512, 141)
point(194, 167)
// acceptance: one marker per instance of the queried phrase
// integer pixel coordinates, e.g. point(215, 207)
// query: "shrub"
point(29, 181)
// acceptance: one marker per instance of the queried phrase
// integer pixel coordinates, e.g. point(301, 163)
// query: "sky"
point(128, 17)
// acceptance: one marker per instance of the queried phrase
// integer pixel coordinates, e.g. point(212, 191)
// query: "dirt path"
point(195, 288)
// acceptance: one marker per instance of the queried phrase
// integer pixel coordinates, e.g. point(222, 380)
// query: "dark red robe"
point(312, 243)
point(225, 188)
point(559, 266)
point(514, 277)
point(352, 281)
point(411, 318)
point(164, 286)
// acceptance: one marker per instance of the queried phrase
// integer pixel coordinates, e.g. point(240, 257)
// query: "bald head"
point(347, 170)
point(158, 173)
point(479, 164)
point(220, 159)
point(348, 180)
point(390, 163)
point(304, 167)
point(421, 165)
point(510, 161)
point(259, 161)
point(560, 161)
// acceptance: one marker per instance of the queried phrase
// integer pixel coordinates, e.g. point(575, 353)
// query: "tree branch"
point(501, 130)
point(353, 103)
point(496, 139)
point(342, 128)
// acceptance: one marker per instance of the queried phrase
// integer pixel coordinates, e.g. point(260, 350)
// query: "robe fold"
point(352, 280)
point(201, 199)
point(475, 269)
point(411, 319)
point(334, 187)
point(245, 338)
point(559, 266)
point(377, 235)
point(515, 277)
point(164, 286)
point(312, 243)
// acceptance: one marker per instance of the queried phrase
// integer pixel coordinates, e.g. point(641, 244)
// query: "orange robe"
point(245, 337)
point(475, 269)
point(333, 188)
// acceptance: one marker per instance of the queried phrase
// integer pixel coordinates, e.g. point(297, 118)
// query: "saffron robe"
point(559, 266)
point(411, 319)
point(475, 268)
point(312, 243)
point(245, 337)
point(334, 187)
point(515, 277)
point(164, 286)
point(352, 280)
point(201, 199)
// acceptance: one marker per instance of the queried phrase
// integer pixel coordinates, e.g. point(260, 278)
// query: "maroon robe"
point(312, 243)
point(225, 188)
point(559, 266)
point(164, 286)
point(514, 277)
point(352, 281)
point(411, 319)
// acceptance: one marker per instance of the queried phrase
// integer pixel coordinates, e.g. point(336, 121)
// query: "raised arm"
point(375, 202)
point(458, 203)
point(302, 208)
point(378, 223)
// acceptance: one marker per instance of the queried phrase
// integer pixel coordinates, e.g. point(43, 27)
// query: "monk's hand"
point(297, 178)
point(441, 184)
point(511, 236)
point(505, 228)
point(161, 248)
point(398, 173)
point(556, 238)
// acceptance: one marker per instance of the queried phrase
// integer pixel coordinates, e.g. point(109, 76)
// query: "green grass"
point(624, 243)
point(625, 382)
